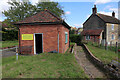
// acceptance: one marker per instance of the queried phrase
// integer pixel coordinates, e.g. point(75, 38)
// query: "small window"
point(119, 36)
point(112, 26)
point(66, 37)
point(87, 37)
point(113, 37)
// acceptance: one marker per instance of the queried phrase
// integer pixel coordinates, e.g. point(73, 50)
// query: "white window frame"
point(66, 37)
point(112, 26)
point(87, 37)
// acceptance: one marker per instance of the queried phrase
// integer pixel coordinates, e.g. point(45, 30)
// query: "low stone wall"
point(101, 65)
point(73, 49)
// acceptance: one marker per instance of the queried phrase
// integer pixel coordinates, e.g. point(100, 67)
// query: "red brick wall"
point(50, 37)
point(93, 38)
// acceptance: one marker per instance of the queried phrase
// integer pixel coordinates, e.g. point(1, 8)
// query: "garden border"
point(101, 65)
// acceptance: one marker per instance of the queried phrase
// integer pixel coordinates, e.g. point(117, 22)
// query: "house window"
point(87, 37)
point(113, 37)
point(119, 36)
point(112, 26)
point(66, 37)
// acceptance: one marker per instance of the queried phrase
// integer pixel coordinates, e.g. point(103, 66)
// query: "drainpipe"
point(58, 42)
point(19, 49)
point(58, 39)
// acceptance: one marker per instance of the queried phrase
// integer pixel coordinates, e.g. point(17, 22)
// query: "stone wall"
point(110, 32)
point(101, 65)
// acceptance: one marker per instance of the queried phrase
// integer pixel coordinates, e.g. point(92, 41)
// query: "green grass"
point(72, 43)
point(8, 43)
point(45, 65)
point(106, 56)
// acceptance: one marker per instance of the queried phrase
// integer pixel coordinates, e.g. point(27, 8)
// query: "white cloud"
point(78, 25)
point(102, 1)
point(107, 7)
point(67, 12)
point(34, 1)
point(114, 9)
point(109, 13)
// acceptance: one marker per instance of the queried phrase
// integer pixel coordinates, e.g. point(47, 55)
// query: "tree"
point(54, 7)
point(72, 31)
point(19, 10)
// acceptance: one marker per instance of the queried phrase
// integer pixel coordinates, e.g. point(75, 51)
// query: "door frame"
point(35, 42)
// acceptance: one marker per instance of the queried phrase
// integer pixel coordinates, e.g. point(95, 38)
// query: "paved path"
point(88, 67)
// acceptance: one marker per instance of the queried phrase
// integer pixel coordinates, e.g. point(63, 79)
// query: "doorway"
point(38, 43)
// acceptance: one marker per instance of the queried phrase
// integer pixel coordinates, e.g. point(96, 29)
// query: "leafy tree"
point(54, 7)
point(72, 31)
point(19, 10)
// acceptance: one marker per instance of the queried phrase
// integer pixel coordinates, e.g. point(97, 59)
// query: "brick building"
point(101, 28)
point(43, 32)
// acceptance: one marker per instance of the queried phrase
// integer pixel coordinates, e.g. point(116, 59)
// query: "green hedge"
point(9, 35)
point(76, 38)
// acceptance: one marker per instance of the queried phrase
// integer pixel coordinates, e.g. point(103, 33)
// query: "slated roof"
point(108, 19)
point(92, 32)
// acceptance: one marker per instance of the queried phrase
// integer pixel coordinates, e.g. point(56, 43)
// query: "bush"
point(76, 38)
point(9, 35)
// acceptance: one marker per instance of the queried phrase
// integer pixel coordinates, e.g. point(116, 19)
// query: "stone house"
point(43, 32)
point(101, 28)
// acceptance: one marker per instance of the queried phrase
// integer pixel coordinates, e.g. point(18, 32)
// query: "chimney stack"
point(113, 14)
point(94, 9)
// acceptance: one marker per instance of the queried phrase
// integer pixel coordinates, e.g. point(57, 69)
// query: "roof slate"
point(108, 19)
point(92, 32)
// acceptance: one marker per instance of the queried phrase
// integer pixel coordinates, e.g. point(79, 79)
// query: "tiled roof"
point(42, 16)
point(92, 32)
point(108, 19)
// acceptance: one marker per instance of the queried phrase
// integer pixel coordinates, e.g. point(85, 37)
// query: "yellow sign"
point(27, 36)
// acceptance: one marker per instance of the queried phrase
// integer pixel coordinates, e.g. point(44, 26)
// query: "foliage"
point(76, 38)
point(72, 31)
point(9, 34)
point(20, 10)
point(45, 65)
point(54, 7)
point(9, 43)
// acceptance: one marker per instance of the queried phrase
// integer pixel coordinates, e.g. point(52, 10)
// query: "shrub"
point(9, 35)
point(76, 38)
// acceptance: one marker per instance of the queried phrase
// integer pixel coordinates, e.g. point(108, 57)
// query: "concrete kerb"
point(105, 68)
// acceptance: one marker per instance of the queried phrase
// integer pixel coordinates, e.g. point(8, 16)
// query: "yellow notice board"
point(27, 36)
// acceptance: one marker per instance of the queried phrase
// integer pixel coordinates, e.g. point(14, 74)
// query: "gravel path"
point(89, 68)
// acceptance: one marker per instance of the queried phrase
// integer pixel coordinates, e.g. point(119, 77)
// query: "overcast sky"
point(76, 11)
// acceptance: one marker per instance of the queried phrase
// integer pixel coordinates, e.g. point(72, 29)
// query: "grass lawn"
point(8, 43)
point(45, 65)
point(105, 56)
point(72, 43)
